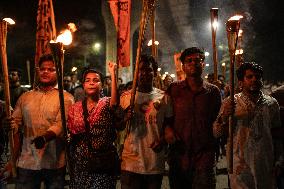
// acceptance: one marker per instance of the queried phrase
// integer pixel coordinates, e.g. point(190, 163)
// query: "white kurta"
point(150, 111)
point(253, 154)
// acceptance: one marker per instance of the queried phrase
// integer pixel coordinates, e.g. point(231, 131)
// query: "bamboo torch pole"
point(28, 64)
point(146, 9)
point(232, 27)
point(58, 54)
point(57, 49)
point(214, 23)
point(153, 28)
point(3, 40)
point(118, 46)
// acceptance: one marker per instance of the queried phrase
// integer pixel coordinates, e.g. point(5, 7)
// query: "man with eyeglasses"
point(257, 131)
point(196, 105)
point(41, 157)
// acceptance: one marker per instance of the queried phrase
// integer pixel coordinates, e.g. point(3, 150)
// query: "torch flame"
point(72, 27)
point(9, 20)
point(65, 37)
point(215, 24)
point(236, 17)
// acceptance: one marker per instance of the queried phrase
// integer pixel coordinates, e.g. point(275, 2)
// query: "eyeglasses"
point(191, 60)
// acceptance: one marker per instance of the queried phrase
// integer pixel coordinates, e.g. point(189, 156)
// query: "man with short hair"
point(256, 116)
point(192, 145)
point(42, 154)
point(67, 83)
point(16, 90)
point(143, 156)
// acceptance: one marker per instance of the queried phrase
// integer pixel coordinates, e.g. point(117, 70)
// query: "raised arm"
point(112, 67)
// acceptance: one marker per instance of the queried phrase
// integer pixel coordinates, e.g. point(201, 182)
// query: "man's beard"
point(51, 83)
point(195, 74)
point(256, 88)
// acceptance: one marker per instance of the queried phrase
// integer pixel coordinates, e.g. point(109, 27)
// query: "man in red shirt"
point(196, 104)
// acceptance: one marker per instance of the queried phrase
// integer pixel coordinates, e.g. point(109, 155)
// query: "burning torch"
point(57, 49)
point(232, 27)
point(214, 24)
point(3, 40)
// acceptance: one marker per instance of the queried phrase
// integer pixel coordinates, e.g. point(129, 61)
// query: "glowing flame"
point(9, 20)
point(215, 24)
point(65, 37)
point(223, 64)
point(239, 51)
point(240, 33)
point(72, 27)
point(236, 17)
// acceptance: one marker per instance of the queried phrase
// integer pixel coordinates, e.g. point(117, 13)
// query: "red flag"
point(120, 10)
point(45, 30)
point(180, 73)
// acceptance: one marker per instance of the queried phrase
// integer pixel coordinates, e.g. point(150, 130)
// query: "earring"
point(102, 93)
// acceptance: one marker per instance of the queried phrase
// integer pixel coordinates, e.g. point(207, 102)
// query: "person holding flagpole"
point(143, 154)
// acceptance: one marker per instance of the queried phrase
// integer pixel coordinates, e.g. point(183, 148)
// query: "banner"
point(45, 30)
point(178, 64)
point(120, 10)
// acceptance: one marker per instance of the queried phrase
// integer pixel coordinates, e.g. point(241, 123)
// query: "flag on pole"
point(178, 64)
point(45, 30)
point(120, 10)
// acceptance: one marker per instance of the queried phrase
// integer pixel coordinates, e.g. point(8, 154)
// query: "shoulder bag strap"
point(87, 124)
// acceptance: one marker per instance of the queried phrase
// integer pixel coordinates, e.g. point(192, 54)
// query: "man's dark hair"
point(46, 57)
point(91, 70)
point(190, 51)
point(148, 59)
point(248, 66)
point(128, 85)
point(16, 70)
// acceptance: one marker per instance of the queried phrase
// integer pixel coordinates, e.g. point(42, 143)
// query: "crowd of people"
point(110, 137)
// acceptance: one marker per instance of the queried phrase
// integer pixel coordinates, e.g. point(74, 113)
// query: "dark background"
point(263, 26)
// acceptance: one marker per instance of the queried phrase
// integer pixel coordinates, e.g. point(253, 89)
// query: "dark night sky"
point(263, 45)
point(21, 37)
